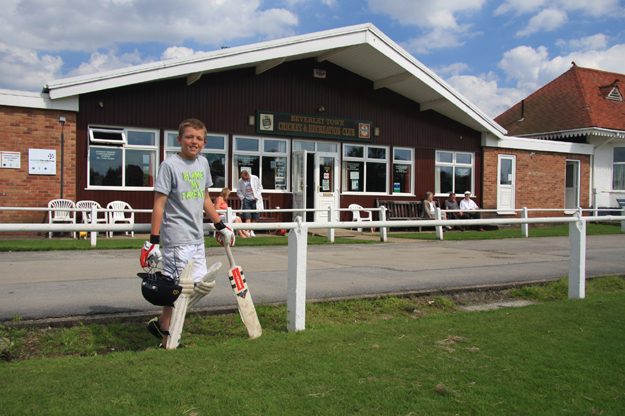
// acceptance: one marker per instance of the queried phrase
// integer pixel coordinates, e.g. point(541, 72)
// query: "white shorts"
point(175, 259)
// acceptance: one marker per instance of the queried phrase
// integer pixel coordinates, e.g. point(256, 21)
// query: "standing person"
point(222, 204)
point(181, 197)
point(467, 204)
point(452, 204)
point(249, 190)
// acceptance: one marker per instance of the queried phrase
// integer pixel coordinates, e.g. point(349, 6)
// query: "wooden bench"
point(403, 210)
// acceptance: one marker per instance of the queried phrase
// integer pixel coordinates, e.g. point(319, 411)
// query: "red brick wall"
point(26, 128)
point(540, 180)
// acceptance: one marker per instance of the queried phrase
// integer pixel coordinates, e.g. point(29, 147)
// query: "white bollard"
point(439, 229)
point(383, 235)
point(296, 283)
point(94, 221)
point(525, 227)
point(577, 258)
point(622, 222)
point(330, 219)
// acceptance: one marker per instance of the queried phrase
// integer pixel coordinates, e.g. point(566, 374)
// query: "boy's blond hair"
point(193, 123)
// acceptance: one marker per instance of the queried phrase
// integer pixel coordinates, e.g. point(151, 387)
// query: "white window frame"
point(453, 165)
point(363, 159)
point(168, 150)
point(338, 146)
point(261, 153)
point(95, 143)
point(614, 164)
point(403, 162)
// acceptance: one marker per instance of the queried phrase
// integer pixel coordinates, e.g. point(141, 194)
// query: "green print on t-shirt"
point(194, 179)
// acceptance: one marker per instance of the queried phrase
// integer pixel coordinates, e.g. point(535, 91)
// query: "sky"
point(495, 53)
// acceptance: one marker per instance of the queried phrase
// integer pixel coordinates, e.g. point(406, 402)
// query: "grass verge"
point(389, 356)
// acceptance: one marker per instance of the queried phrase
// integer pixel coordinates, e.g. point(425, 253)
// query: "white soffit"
point(39, 100)
point(361, 49)
point(520, 143)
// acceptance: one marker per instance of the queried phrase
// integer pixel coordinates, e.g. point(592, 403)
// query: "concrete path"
point(76, 283)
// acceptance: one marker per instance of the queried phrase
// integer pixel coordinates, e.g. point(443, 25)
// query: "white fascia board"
point(386, 46)
point(249, 55)
point(538, 145)
point(587, 131)
point(39, 100)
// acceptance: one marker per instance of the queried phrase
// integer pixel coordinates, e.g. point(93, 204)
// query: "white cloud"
point(177, 52)
point(452, 70)
point(99, 62)
point(589, 43)
point(547, 20)
point(436, 39)
point(587, 7)
point(25, 69)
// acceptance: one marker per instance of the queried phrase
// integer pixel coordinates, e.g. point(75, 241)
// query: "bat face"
point(237, 280)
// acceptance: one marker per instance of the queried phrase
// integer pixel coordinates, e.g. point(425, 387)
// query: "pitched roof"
point(576, 100)
point(361, 49)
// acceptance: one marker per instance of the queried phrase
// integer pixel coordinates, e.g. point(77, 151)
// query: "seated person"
point(451, 203)
point(429, 209)
point(467, 204)
point(221, 204)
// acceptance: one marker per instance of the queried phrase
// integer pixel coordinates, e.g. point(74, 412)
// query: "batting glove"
point(225, 236)
point(150, 255)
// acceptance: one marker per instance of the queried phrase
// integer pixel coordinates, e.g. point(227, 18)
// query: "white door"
point(326, 185)
point(506, 184)
point(299, 181)
point(571, 193)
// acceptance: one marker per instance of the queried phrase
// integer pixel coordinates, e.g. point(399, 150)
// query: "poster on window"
point(41, 162)
point(325, 185)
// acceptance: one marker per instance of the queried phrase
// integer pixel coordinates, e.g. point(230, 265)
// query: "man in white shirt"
point(467, 204)
point(249, 191)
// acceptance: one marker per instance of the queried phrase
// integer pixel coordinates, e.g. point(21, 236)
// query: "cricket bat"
point(243, 297)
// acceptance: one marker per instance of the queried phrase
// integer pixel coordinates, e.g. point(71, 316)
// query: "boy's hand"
point(150, 255)
point(225, 236)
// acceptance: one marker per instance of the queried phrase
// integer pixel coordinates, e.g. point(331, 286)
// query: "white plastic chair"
point(118, 214)
point(359, 212)
point(61, 216)
point(86, 216)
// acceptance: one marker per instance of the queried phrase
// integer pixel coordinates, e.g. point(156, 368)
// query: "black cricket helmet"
point(159, 290)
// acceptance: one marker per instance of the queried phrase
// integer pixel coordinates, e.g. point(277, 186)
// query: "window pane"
point(402, 154)
point(444, 179)
point(247, 145)
point(462, 180)
point(619, 177)
point(444, 157)
point(505, 173)
point(376, 153)
point(242, 161)
point(274, 146)
point(105, 167)
point(171, 140)
point(310, 146)
point(464, 158)
point(108, 135)
point(140, 167)
point(354, 151)
point(401, 178)
point(217, 164)
point(327, 147)
point(376, 177)
point(215, 142)
point(274, 172)
point(353, 176)
point(326, 174)
point(141, 138)
point(619, 155)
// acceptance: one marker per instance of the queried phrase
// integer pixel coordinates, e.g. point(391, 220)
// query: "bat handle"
point(229, 253)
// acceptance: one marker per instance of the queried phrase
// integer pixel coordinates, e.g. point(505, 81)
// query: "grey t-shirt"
point(449, 204)
point(185, 183)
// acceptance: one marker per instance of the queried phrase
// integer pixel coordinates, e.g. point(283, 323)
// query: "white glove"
point(225, 236)
point(150, 255)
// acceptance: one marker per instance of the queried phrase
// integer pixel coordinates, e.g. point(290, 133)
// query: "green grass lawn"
point(390, 356)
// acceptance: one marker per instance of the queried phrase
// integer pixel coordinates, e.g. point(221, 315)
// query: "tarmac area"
point(66, 286)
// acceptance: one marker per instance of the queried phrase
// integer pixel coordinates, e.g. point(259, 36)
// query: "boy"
point(181, 196)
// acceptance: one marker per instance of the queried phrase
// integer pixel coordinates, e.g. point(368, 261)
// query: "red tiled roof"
point(574, 100)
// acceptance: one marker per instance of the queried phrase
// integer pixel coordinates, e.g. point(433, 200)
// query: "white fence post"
point(439, 229)
point(94, 218)
point(296, 283)
point(229, 216)
point(622, 222)
point(383, 237)
point(331, 219)
point(525, 228)
point(577, 258)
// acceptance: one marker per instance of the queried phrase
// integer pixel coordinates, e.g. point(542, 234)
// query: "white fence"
point(298, 240)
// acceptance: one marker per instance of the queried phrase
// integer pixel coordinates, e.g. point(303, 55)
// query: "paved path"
point(76, 283)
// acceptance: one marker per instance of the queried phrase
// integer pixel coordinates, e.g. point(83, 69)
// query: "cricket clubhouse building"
point(332, 118)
